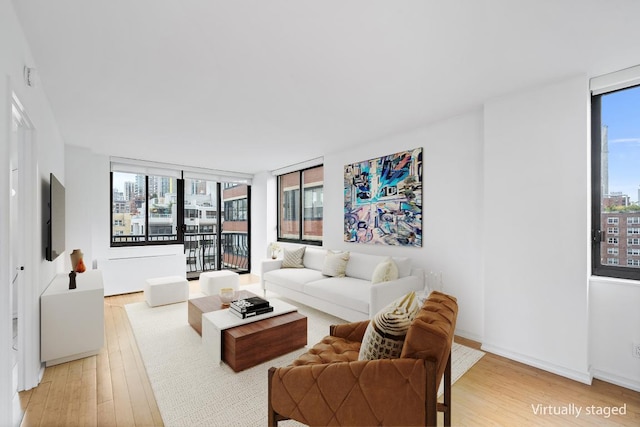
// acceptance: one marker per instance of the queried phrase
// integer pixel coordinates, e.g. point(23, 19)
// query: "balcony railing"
point(201, 250)
point(137, 238)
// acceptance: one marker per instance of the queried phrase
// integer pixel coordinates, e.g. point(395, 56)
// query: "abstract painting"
point(383, 200)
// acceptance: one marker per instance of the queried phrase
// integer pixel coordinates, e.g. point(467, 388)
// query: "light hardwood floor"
point(112, 388)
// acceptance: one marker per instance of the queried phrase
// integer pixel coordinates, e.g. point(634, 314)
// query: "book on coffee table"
point(247, 305)
point(256, 312)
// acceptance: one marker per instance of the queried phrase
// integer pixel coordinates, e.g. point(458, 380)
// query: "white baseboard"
point(468, 335)
point(583, 377)
point(616, 379)
point(17, 412)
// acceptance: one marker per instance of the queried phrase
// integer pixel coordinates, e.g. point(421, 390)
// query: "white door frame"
point(29, 294)
point(6, 316)
point(29, 366)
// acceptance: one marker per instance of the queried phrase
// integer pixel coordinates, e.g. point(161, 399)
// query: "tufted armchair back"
point(328, 385)
point(430, 336)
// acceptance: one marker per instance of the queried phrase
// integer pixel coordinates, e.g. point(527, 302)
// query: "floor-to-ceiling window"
point(300, 205)
point(206, 212)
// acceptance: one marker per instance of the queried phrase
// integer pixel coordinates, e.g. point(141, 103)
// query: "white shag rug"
point(191, 391)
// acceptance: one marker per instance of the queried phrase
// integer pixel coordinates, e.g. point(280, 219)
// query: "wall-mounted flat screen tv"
point(56, 232)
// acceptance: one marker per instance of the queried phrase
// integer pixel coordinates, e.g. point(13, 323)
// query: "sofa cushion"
point(292, 278)
point(293, 258)
point(314, 258)
point(343, 291)
point(404, 266)
point(335, 264)
point(385, 334)
point(361, 266)
point(385, 271)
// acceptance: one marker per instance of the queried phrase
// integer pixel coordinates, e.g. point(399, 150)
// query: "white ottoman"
point(166, 290)
point(212, 281)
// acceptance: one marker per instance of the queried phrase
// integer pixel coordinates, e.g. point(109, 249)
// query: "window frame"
point(299, 213)
point(598, 231)
point(179, 240)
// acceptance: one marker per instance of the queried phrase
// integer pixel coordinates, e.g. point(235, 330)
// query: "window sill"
point(614, 281)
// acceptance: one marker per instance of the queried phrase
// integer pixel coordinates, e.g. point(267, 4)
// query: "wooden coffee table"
point(197, 306)
point(243, 343)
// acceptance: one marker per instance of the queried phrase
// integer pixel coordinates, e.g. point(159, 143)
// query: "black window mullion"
point(180, 226)
point(220, 206)
point(596, 182)
point(111, 208)
point(300, 207)
point(146, 210)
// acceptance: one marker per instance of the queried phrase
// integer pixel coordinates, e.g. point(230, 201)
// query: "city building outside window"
point(206, 211)
point(300, 206)
point(615, 180)
point(148, 204)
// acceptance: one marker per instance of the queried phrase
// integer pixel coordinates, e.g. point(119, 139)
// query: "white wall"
point(452, 206)
point(14, 55)
point(88, 228)
point(263, 217)
point(80, 194)
point(614, 328)
point(536, 244)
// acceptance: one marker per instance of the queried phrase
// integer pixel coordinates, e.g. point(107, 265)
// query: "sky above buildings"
point(621, 114)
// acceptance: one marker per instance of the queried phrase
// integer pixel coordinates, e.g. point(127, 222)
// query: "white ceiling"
point(253, 85)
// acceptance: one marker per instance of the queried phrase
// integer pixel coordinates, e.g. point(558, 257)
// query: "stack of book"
point(248, 307)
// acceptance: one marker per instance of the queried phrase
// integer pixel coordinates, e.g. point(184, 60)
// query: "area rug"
point(191, 391)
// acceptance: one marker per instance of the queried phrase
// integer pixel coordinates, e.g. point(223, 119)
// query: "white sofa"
point(353, 297)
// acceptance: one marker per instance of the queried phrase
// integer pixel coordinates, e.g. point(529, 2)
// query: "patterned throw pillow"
point(293, 259)
point(385, 333)
point(385, 271)
point(335, 264)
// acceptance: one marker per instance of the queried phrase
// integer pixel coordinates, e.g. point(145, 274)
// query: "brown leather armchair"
point(328, 385)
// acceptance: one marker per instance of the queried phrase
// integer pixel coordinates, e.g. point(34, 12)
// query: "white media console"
point(72, 320)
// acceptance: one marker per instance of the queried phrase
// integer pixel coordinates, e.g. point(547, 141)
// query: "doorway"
point(16, 261)
point(216, 230)
point(23, 256)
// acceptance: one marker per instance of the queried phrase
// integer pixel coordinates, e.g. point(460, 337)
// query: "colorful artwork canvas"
point(383, 200)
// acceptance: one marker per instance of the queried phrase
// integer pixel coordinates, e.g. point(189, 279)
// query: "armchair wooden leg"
point(272, 417)
point(445, 406)
point(447, 393)
point(431, 403)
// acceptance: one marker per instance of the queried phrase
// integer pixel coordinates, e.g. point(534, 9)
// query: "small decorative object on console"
point(77, 263)
point(72, 280)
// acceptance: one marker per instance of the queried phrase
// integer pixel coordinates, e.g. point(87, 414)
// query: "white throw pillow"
point(335, 264)
point(385, 271)
point(293, 259)
point(384, 336)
